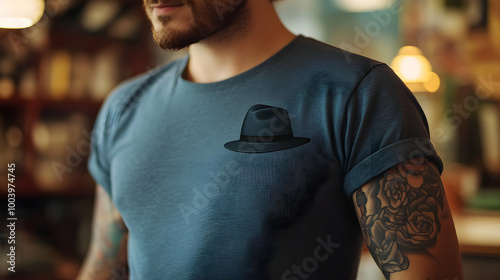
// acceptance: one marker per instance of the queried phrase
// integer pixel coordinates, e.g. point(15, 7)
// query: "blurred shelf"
point(74, 186)
point(63, 104)
point(90, 42)
point(478, 232)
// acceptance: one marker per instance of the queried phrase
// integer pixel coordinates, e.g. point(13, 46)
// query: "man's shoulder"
point(132, 89)
point(332, 64)
point(336, 56)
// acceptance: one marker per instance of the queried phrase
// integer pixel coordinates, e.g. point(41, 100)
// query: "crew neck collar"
point(186, 85)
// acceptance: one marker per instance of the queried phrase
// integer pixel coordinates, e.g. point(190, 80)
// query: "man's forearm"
point(107, 254)
point(100, 265)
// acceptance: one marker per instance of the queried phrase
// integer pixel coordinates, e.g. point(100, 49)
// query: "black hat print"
point(266, 129)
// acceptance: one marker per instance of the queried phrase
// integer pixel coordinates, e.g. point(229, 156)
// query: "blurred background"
point(55, 74)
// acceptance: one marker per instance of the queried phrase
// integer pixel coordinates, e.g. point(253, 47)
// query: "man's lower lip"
point(164, 9)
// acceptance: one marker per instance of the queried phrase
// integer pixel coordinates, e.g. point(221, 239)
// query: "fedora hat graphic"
point(266, 129)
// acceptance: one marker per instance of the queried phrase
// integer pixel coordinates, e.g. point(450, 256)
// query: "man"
point(328, 149)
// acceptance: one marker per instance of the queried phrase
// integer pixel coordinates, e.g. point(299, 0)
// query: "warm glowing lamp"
point(433, 82)
point(415, 70)
point(20, 13)
point(358, 6)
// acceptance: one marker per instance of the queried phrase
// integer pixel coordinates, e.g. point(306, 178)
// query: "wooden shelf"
point(63, 104)
point(78, 183)
point(63, 35)
point(478, 233)
point(74, 186)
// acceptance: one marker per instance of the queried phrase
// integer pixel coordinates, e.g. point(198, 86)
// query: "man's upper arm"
point(107, 254)
point(407, 224)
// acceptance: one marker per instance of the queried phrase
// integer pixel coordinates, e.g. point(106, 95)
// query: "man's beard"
point(207, 22)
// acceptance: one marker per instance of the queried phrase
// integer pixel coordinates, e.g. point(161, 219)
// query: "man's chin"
point(174, 41)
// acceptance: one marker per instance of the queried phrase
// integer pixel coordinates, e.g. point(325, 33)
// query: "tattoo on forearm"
point(399, 213)
point(108, 251)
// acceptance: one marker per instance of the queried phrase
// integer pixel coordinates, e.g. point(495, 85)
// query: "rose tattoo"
point(399, 213)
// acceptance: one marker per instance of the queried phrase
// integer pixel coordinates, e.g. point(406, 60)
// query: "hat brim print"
point(274, 123)
point(252, 147)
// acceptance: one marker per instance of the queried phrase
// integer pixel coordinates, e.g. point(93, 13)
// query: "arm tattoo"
point(108, 249)
point(399, 213)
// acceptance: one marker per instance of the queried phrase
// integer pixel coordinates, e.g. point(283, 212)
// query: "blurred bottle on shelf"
point(489, 122)
point(106, 74)
point(82, 70)
point(28, 85)
point(60, 74)
point(126, 26)
point(7, 87)
point(14, 137)
point(46, 178)
point(41, 138)
point(96, 14)
point(494, 23)
point(11, 144)
point(7, 84)
point(56, 74)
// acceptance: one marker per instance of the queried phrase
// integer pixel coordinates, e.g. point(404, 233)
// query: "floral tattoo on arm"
point(399, 213)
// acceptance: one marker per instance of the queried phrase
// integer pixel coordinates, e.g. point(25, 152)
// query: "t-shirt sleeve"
point(382, 126)
point(98, 163)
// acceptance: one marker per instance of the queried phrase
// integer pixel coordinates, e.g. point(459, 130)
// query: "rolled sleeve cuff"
point(387, 158)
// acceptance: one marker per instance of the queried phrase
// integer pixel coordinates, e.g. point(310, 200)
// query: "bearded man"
point(263, 155)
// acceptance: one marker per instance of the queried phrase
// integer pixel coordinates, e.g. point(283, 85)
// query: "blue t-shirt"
point(198, 210)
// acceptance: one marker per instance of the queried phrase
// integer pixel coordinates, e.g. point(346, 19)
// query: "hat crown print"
point(266, 129)
point(262, 117)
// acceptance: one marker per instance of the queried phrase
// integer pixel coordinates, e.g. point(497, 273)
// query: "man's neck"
point(231, 52)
